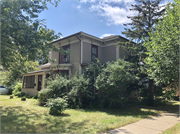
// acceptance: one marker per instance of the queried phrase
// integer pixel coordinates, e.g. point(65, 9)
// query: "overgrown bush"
point(81, 93)
point(56, 87)
point(112, 84)
point(20, 94)
point(35, 97)
point(44, 95)
point(17, 89)
point(57, 106)
point(169, 94)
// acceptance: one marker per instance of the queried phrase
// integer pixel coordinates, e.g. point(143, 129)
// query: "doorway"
point(39, 82)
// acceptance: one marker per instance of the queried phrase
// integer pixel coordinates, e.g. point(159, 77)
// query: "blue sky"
point(96, 17)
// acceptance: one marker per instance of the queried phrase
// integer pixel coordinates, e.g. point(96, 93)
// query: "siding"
point(86, 52)
point(108, 53)
point(75, 56)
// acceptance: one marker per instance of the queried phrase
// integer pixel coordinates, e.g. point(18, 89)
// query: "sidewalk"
point(152, 125)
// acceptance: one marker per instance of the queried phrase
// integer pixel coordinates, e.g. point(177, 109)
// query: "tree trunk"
point(151, 93)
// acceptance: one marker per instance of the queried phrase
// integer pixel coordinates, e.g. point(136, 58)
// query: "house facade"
point(83, 49)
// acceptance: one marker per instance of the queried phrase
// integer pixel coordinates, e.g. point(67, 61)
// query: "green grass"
point(173, 130)
point(27, 117)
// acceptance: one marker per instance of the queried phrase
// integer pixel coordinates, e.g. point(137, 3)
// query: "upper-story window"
point(94, 52)
point(64, 58)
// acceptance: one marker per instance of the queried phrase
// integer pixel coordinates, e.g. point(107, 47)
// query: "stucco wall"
point(108, 53)
point(75, 56)
point(86, 52)
point(54, 56)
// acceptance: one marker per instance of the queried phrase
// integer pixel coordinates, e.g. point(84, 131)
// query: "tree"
point(148, 14)
point(23, 32)
point(163, 47)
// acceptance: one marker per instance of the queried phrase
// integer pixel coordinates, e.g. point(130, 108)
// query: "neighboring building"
point(84, 48)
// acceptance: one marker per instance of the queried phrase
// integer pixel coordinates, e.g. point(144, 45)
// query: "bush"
point(20, 94)
point(11, 87)
point(36, 96)
point(44, 95)
point(169, 94)
point(17, 89)
point(81, 92)
point(113, 82)
point(56, 87)
point(57, 106)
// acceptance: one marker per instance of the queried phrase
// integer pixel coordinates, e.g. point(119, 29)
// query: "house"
point(84, 48)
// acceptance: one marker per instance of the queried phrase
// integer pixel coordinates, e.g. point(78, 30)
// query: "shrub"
point(36, 96)
point(81, 93)
point(113, 82)
point(56, 87)
point(44, 95)
point(57, 106)
point(20, 94)
point(17, 89)
point(169, 94)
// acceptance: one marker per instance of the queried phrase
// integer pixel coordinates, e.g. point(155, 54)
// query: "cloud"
point(113, 11)
point(106, 1)
point(79, 6)
point(114, 15)
point(105, 35)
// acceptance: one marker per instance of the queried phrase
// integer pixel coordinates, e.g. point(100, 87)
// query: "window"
point(94, 52)
point(28, 81)
point(64, 58)
point(64, 73)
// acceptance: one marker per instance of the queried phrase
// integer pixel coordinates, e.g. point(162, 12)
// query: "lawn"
point(173, 130)
point(27, 117)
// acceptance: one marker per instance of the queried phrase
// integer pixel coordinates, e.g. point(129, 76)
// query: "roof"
point(85, 34)
point(45, 65)
point(38, 71)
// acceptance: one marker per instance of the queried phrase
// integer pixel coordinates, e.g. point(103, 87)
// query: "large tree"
point(22, 32)
point(163, 47)
point(148, 14)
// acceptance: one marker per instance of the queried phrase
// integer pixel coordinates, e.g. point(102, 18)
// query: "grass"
point(173, 130)
point(27, 117)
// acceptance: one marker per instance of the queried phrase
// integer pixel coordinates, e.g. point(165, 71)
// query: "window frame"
point(28, 81)
point(96, 55)
point(62, 57)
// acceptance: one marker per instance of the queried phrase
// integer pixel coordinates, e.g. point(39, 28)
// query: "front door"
point(39, 82)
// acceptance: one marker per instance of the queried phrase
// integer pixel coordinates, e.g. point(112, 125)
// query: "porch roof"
point(45, 70)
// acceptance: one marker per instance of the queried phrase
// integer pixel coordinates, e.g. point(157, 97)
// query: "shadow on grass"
point(20, 120)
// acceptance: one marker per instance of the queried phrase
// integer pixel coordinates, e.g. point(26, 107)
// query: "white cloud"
point(79, 6)
point(114, 15)
point(105, 35)
point(106, 1)
point(113, 11)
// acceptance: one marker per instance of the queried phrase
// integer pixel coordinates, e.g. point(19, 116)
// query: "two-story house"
point(84, 48)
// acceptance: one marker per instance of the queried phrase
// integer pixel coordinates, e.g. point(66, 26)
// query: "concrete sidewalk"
point(152, 125)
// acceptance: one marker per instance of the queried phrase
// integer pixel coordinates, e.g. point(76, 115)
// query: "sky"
point(99, 18)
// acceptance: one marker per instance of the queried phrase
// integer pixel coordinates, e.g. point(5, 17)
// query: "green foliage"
point(148, 14)
point(19, 67)
point(17, 89)
point(57, 106)
point(81, 93)
point(169, 94)
point(163, 47)
point(58, 85)
point(112, 83)
point(44, 95)
point(23, 32)
point(20, 94)
point(35, 97)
